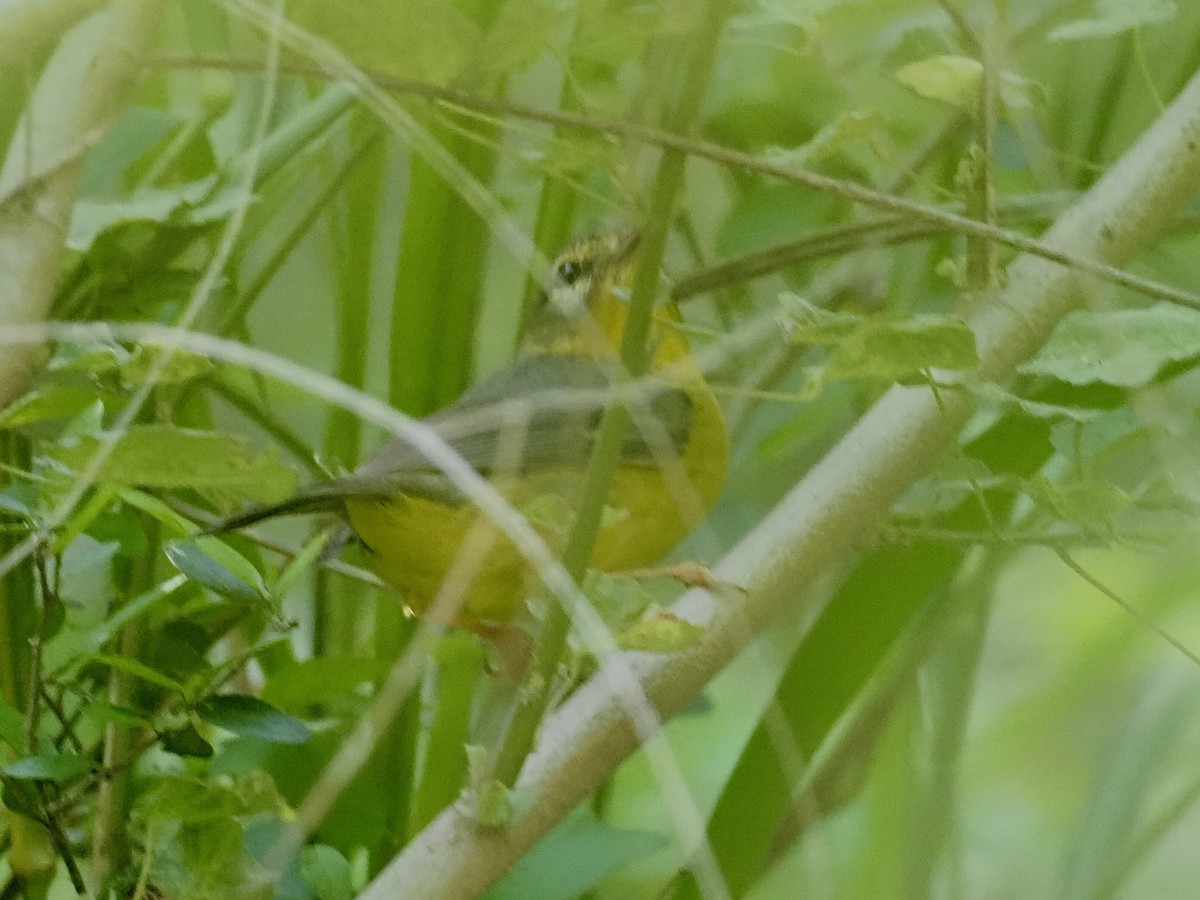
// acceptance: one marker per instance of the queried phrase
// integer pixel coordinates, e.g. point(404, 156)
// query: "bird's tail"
point(306, 502)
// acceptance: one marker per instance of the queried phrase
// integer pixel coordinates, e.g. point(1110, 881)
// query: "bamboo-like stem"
point(110, 837)
point(815, 530)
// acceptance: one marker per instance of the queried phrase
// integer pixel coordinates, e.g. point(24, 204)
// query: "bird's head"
point(584, 301)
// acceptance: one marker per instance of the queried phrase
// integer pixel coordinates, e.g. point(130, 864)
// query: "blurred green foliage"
point(967, 717)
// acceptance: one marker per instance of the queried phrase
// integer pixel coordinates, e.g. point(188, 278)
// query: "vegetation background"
point(986, 692)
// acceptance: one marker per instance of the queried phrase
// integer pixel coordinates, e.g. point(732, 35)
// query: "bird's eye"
point(572, 270)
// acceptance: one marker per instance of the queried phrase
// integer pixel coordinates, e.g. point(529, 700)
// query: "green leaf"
point(892, 349)
point(134, 607)
point(173, 365)
point(550, 513)
point(57, 767)
point(573, 858)
point(848, 130)
point(805, 323)
point(200, 202)
point(156, 509)
point(1115, 16)
point(619, 601)
point(47, 404)
point(99, 360)
point(493, 805)
point(957, 479)
point(990, 392)
point(133, 136)
point(171, 458)
point(12, 726)
point(1093, 504)
point(956, 80)
point(214, 854)
point(327, 872)
point(321, 680)
point(661, 632)
point(303, 563)
point(245, 715)
point(218, 567)
point(596, 39)
point(425, 39)
point(1084, 443)
point(104, 713)
point(492, 801)
point(19, 499)
point(187, 741)
point(879, 347)
point(84, 556)
point(949, 78)
point(1126, 347)
point(187, 799)
point(137, 670)
point(521, 32)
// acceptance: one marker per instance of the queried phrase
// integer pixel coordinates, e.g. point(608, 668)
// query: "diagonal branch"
point(786, 563)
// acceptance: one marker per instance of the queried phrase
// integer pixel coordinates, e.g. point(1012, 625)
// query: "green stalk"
point(280, 431)
point(111, 848)
point(295, 136)
point(17, 595)
point(394, 755)
point(31, 852)
point(439, 272)
point(457, 667)
point(237, 311)
point(336, 614)
point(954, 675)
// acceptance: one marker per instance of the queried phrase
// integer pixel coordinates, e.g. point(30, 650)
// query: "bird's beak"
point(627, 247)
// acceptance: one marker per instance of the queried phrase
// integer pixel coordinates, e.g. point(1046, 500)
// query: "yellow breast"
point(419, 546)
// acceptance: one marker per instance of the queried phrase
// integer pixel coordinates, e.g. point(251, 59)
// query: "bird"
point(529, 428)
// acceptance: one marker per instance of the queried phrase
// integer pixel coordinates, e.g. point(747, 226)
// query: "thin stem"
point(48, 597)
point(983, 268)
point(451, 682)
point(238, 309)
point(1133, 611)
point(62, 846)
point(110, 838)
point(953, 675)
point(66, 723)
point(279, 430)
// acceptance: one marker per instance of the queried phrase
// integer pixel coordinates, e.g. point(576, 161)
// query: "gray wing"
point(537, 413)
point(553, 421)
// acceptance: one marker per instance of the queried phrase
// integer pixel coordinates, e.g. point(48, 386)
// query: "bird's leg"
point(687, 572)
point(510, 646)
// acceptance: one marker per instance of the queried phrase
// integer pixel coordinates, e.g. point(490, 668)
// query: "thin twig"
point(33, 715)
point(66, 730)
point(1116, 598)
point(62, 846)
point(691, 146)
